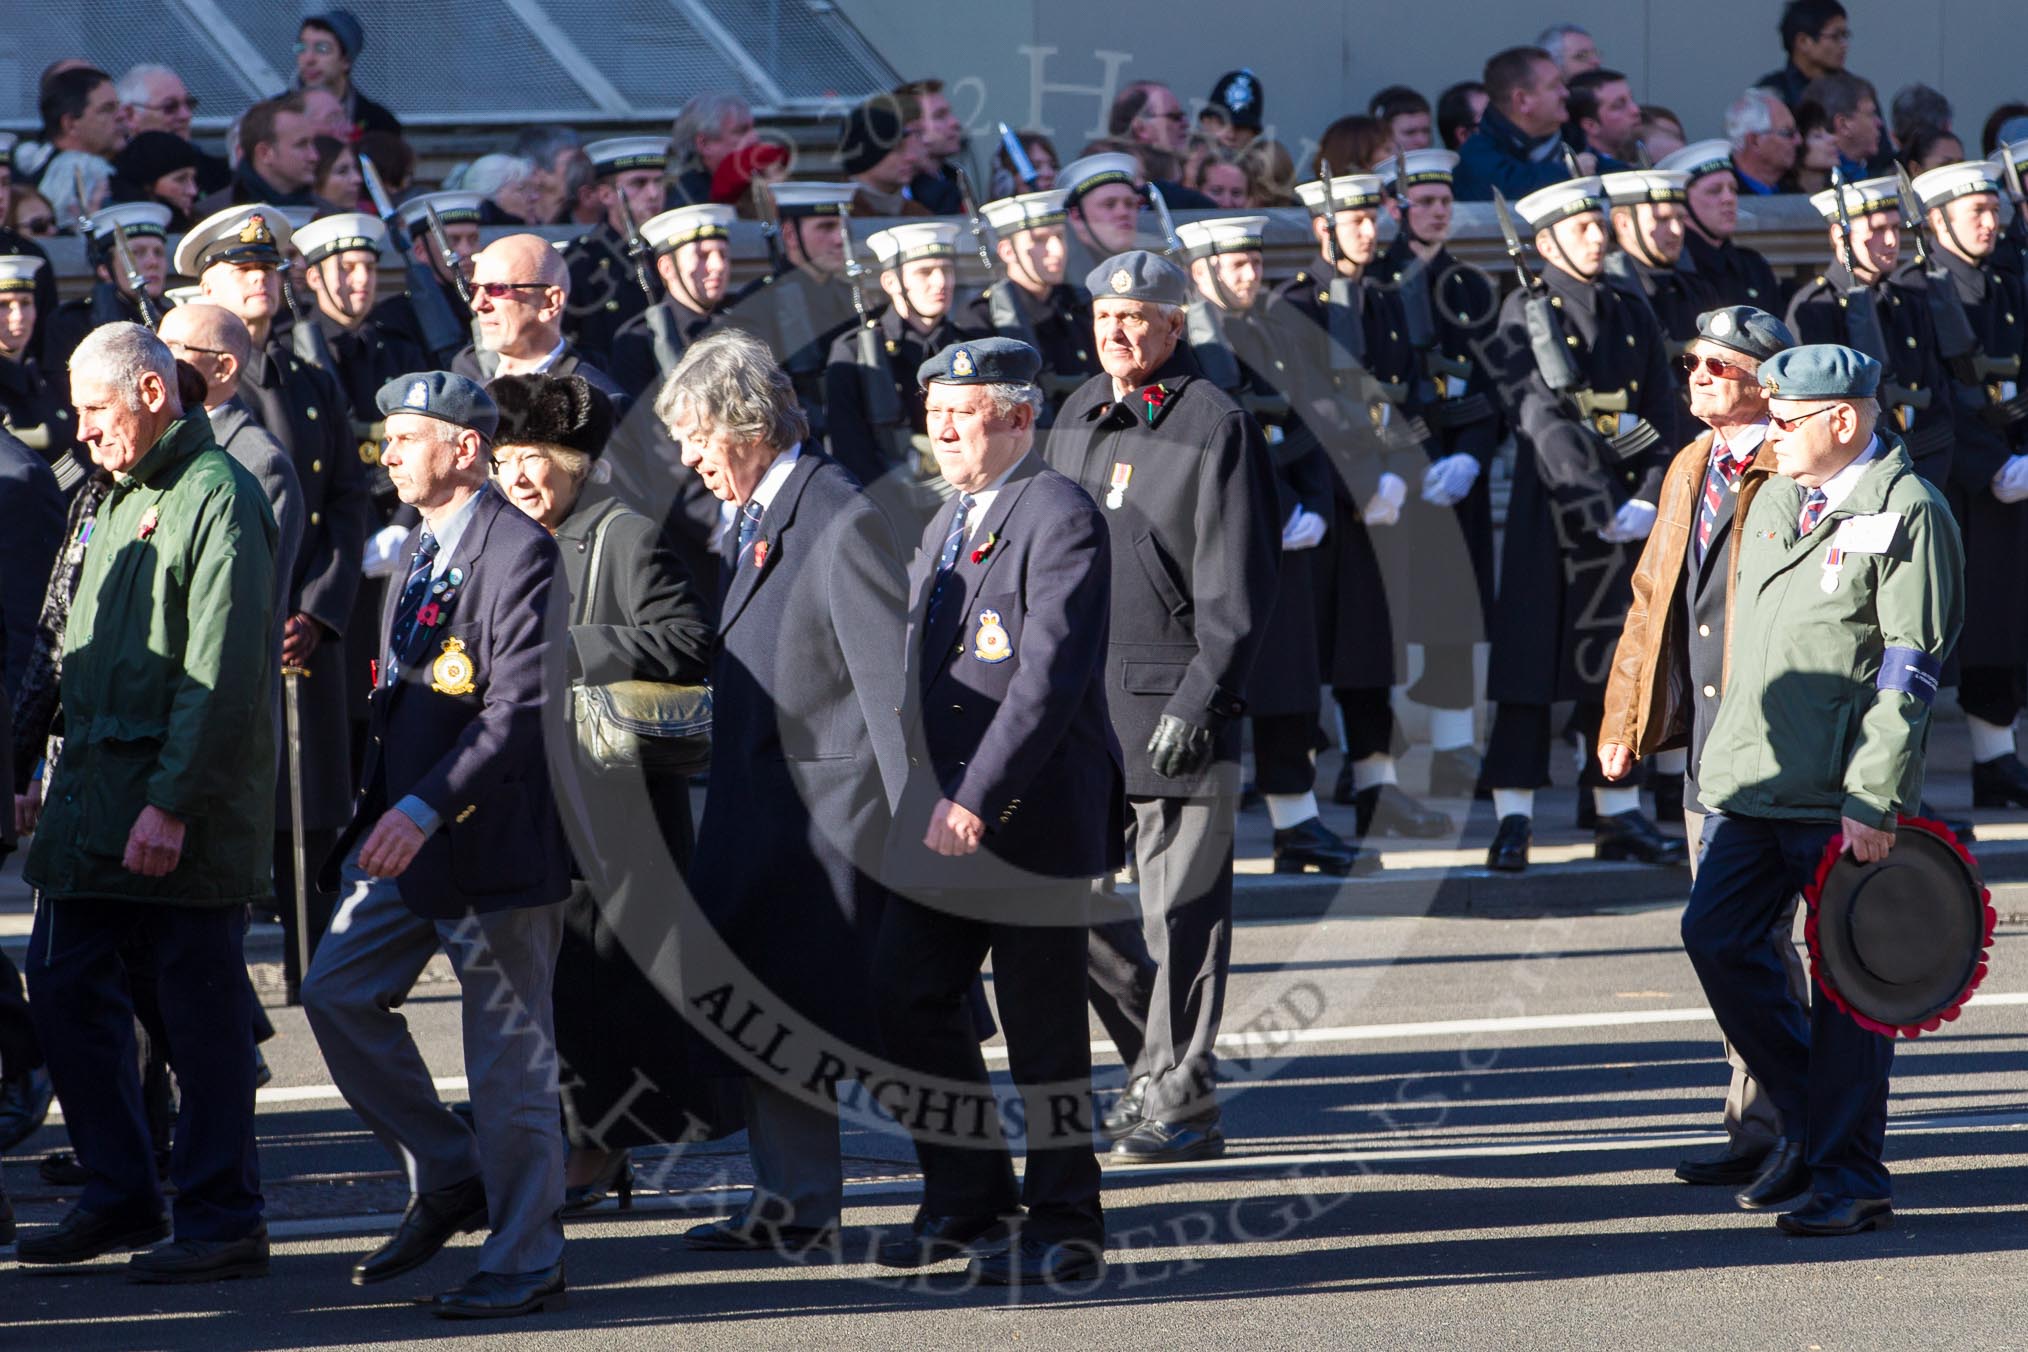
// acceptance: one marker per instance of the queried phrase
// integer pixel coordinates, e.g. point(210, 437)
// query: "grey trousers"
point(798, 1174)
point(364, 968)
point(1751, 1120)
point(1179, 956)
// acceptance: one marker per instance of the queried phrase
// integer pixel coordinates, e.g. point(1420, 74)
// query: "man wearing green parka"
point(157, 826)
point(1847, 597)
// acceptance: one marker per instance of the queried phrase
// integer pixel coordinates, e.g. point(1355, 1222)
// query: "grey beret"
point(1138, 274)
point(441, 394)
point(1747, 331)
point(983, 361)
point(1820, 371)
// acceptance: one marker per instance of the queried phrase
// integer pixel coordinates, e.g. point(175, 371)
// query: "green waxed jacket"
point(168, 668)
point(1834, 643)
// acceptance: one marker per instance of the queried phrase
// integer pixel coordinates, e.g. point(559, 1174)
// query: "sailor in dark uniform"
point(459, 214)
point(803, 302)
point(693, 258)
point(14, 242)
point(33, 411)
point(1648, 225)
point(1033, 303)
point(146, 226)
point(1732, 273)
point(1102, 200)
point(605, 287)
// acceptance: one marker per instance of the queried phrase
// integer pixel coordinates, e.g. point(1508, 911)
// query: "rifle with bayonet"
point(1862, 311)
point(441, 333)
point(1955, 341)
point(1004, 310)
point(106, 307)
point(1418, 311)
point(1017, 155)
point(306, 332)
point(2017, 224)
point(876, 380)
point(123, 258)
point(660, 319)
point(1170, 244)
point(454, 264)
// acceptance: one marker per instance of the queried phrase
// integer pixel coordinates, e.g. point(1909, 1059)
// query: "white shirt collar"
point(1744, 441)
point(1840, 485)
point(982, 501)
point(453, 530)
point(771, 483)
point(555, 356)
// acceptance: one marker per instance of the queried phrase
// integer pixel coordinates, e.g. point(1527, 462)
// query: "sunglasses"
point(39, 225)
point(501, 290)
point(1787, 425)
point(1688, 362)
point(169, 107)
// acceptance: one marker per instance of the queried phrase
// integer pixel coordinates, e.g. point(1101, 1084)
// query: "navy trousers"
point(1826, 1074)
point(78, 992)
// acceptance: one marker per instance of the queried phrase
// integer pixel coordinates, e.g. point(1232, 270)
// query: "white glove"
point(1384, 507)
point(1631, 522)
point(1445, 483)
point(2010, 482)
point(1305, 529)
point(383, 551)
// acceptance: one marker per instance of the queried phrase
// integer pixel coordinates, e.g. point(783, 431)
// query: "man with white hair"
point(156, 830)
point(708, 129)
point(154, 98)
point(1764, 140)
point(1571, 48)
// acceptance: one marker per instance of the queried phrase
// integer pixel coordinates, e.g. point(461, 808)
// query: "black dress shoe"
point(1587, 810)
point(501, 1295)
point(1342, 792)
point(1630, 835)
point(1168, 1143)
point(1509, 851)
point(1312, 845)
point(936, 1239)
point(84, 1235)
point(1961, 827)
point(426, 1226)
point(1127, 1110)
point(1251, 799)
point(1385, 810)
point(24, 1104)
point(202, 1260)
point(1038, 1262)
point(1783, 1178)
point(2000, 782)
point(1730, 1167)
point(1823, 1216)
point(616, 1179)
point(1668, 791)
point(738, 1233)
point(1454, 773)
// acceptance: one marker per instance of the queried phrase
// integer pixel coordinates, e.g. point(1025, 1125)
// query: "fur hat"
point(545, 410)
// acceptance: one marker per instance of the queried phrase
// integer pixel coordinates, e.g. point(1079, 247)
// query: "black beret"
point(1138, 274)
point(873, 130)
point(982, 361)
point(545, 410)
point(1747, 331)
point(440, 394)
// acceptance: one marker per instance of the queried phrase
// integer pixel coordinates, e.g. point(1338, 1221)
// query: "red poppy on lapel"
point(428, 616)
point(979, 554)
point(1151, 401)
point(760, 554)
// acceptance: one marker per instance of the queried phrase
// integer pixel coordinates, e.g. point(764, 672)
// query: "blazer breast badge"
point(452, 672)
point(991, 643)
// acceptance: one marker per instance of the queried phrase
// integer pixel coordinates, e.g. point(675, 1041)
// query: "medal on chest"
point(1834, 568)
point(1123, 474)
point(452, 672)
point(991, 643)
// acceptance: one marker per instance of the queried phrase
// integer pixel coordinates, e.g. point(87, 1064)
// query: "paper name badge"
point(1867, 534)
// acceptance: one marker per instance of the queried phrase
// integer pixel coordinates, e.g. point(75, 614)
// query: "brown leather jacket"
point(1647, 699)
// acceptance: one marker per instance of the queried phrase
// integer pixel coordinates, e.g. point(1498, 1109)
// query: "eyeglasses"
point(501, 290)
point(185, 349)
point(1787, 425)
point(170, 107)
point(320, 48)
point(1688, 362)
point(39, 225)
point(1839, 35)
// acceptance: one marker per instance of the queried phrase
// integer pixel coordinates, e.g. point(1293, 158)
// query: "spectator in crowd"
point(939, 138)
point(1819, 153)
point(506, 183)
point(1764, 140)
point(709, 128)
point(1458, 111)
point(393, 159)
point(1352, 145)
point(548, 150)
point(154, 98)
point(278, 159)
point(1233, 115)
point(1571, 48)
point(1149, 112)
point(882, 154)
point(1917, 108)
point(1518, 147)
point(1270, 174)
point(159, 166)
point(1042, 158)
point(2007, 124)
point(732, 182)
point(1816, 35)
point(327, 45)
point(1854, 112)
point(327, 115)
point(1407, 116)
point(1928, 148)
point(1659, 132)
point(30, 213)
point(337, 179)
point(16, 239)
point(1223, 176)
point(81, 130)
point(1603, 114)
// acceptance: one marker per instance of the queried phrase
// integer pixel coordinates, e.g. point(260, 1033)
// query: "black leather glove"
point(1179, 750)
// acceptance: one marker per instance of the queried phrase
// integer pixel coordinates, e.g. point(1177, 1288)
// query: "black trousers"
point(924, 964)
point(316, 845)
point(1284, 753)
point(1446, 681)
point(1368, 712)
point(77, 985)
point(20, 1052)
point(1994, 694)
point(1517, 750)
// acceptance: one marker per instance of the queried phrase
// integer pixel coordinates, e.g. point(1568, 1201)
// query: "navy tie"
point(412, 593)
point(749, 526)
point(954, 541)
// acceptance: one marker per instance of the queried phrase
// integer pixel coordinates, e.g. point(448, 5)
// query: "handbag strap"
point(591, 572)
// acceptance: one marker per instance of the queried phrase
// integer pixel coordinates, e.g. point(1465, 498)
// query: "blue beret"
point(1820, 371)
point(1139, 275)
point(441, 394)
point(1747, 331)
point(983, 361)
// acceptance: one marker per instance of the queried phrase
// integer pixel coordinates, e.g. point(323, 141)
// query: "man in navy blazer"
point(1014, 805)
point(456, 843)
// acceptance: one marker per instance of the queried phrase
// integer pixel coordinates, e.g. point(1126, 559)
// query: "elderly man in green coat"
point(157, 826)
point(1847, 596)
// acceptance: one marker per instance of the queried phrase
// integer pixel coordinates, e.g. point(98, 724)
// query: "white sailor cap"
point(1699, 158)
point(1863, 198)
point(8, 141)
point(1646, 185)
point(805, 198)
point(133, 218)
point(619, 154)
point(1349, 192)
point(17, 272)
point(1221, 235)
point(2017, 151)
point(1029, 211)
point(1559, 201)
point(686, 225)
point(255, 233)
point(1432, 165)
point(453, 208)
point(297, 217)
point(184, 295)
point(342, 233)
point(1096, 171)
point(1947, 182)
point(899, 244)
